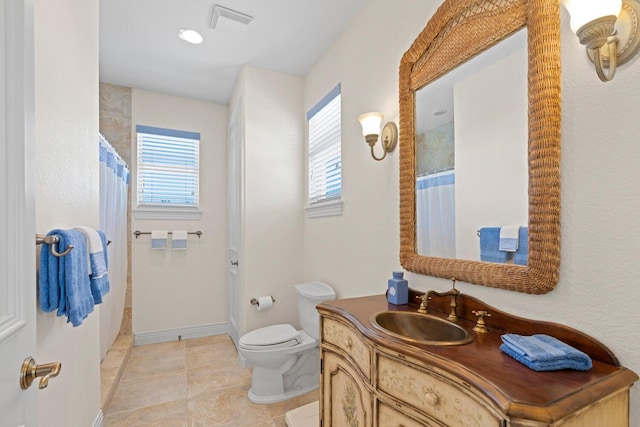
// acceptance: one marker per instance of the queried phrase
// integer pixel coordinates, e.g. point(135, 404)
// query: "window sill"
point(322, 209)
point(175, 213)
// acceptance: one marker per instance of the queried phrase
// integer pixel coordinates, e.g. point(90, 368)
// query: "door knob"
point(31, 370)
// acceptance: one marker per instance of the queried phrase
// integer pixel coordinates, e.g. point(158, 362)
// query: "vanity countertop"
point(517, 390)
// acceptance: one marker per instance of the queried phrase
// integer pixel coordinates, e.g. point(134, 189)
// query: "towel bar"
point(137, 233)
point(52, 241)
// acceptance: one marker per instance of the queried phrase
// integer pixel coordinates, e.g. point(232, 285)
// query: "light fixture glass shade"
point(585, 11)
point(190, 36)
point(370, 123)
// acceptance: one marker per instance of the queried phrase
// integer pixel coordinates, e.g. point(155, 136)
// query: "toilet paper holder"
point(254, 301)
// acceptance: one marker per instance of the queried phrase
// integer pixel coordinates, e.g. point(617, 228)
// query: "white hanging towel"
point(159, 239)
point(509, 238)
point(179, 242)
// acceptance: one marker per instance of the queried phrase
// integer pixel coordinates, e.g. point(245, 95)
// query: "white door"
point(233, 222)
point(17, 218)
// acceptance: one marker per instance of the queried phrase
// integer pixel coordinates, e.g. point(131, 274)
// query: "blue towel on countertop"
point(489, 243)
point(64, 281)
point(542, 352)
point(521, 256)
point(97, 262)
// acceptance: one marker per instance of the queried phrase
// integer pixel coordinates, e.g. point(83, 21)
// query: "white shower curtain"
point(435, 214)
point(114, 179)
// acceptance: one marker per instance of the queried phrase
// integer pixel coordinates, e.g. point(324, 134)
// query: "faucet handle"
point(481, 325)
point(423, 305)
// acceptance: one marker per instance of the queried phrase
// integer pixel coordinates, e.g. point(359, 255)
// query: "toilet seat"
point(271, 338)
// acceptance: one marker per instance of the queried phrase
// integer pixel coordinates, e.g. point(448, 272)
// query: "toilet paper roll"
point(265, 303)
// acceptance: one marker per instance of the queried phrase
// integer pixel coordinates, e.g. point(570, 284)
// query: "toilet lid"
point(283, 335)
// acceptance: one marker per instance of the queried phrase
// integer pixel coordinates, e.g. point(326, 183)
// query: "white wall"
point(491, 151)
point(183, 289)
point(272, 193)
point(67, 191)
point(598, 287)
point(356, 252)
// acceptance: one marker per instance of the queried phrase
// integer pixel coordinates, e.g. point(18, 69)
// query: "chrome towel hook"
point(52, 241)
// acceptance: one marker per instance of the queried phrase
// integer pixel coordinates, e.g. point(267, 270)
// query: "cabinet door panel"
point(347, 402)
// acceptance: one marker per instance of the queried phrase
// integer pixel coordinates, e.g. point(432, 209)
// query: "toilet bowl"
point(285, 360)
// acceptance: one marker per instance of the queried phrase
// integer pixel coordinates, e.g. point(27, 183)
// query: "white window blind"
point(168, 167)
point(325, 157)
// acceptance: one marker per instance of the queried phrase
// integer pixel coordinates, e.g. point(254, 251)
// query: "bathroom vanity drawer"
point(343, 337)
point(432, 394)
point(391, 417)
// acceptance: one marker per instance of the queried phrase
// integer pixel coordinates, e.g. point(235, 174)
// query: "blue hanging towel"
point(98, 263)
point(521, 256)
point(489, 244)
point(64, 282)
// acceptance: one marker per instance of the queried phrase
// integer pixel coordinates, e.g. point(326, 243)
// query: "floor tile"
point(221, 354)
point(170, 414)
point(155, 358)
point(212, 379)
point(149, 390)
point(228, 408)
point(196, 383)
point(281, 408)
point(214, 339)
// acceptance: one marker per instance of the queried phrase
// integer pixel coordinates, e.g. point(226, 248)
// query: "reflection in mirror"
point(471, 158)
point(458, 32)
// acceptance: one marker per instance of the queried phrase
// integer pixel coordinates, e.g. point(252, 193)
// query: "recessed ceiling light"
point(190, 36)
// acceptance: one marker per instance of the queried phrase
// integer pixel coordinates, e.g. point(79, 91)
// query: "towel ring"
point(52, 241)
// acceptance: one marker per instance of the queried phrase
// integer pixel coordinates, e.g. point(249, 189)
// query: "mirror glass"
point(471, 155)
point(499, 149)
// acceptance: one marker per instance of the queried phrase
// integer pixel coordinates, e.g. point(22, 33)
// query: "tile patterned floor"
point(194, 383)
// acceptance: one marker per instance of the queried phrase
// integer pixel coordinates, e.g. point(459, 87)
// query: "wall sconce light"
point(371, 130)
point(609, 30)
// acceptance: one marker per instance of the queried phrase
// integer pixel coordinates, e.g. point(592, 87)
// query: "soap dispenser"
point(398, 290)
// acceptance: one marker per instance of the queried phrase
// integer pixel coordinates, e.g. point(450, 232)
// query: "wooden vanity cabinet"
point(369, 379)
point(397, 392)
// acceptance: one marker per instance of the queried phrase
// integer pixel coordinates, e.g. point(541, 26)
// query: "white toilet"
point(285, 361)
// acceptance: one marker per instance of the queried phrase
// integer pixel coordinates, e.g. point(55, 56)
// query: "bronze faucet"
point(453, 293)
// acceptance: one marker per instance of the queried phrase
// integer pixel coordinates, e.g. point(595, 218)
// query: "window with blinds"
point(325, 157)
point(168, 167)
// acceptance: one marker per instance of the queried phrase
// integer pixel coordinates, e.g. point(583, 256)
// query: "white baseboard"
point(99, 421)
point(154, 337)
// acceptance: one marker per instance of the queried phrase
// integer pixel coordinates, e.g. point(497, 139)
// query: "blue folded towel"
point(97, 262)
point(489, 243)
point(521, 256)
point(544, 353)
point(64, 281)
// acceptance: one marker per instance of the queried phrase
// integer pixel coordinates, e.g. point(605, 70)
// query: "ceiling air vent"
point(225, 12)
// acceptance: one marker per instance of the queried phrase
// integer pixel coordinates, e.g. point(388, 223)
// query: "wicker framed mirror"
point(457, 32)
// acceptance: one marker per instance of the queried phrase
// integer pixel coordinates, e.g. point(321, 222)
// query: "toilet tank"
point(309, 295)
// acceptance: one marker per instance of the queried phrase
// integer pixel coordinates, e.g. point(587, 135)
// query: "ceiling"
point(139, 44)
